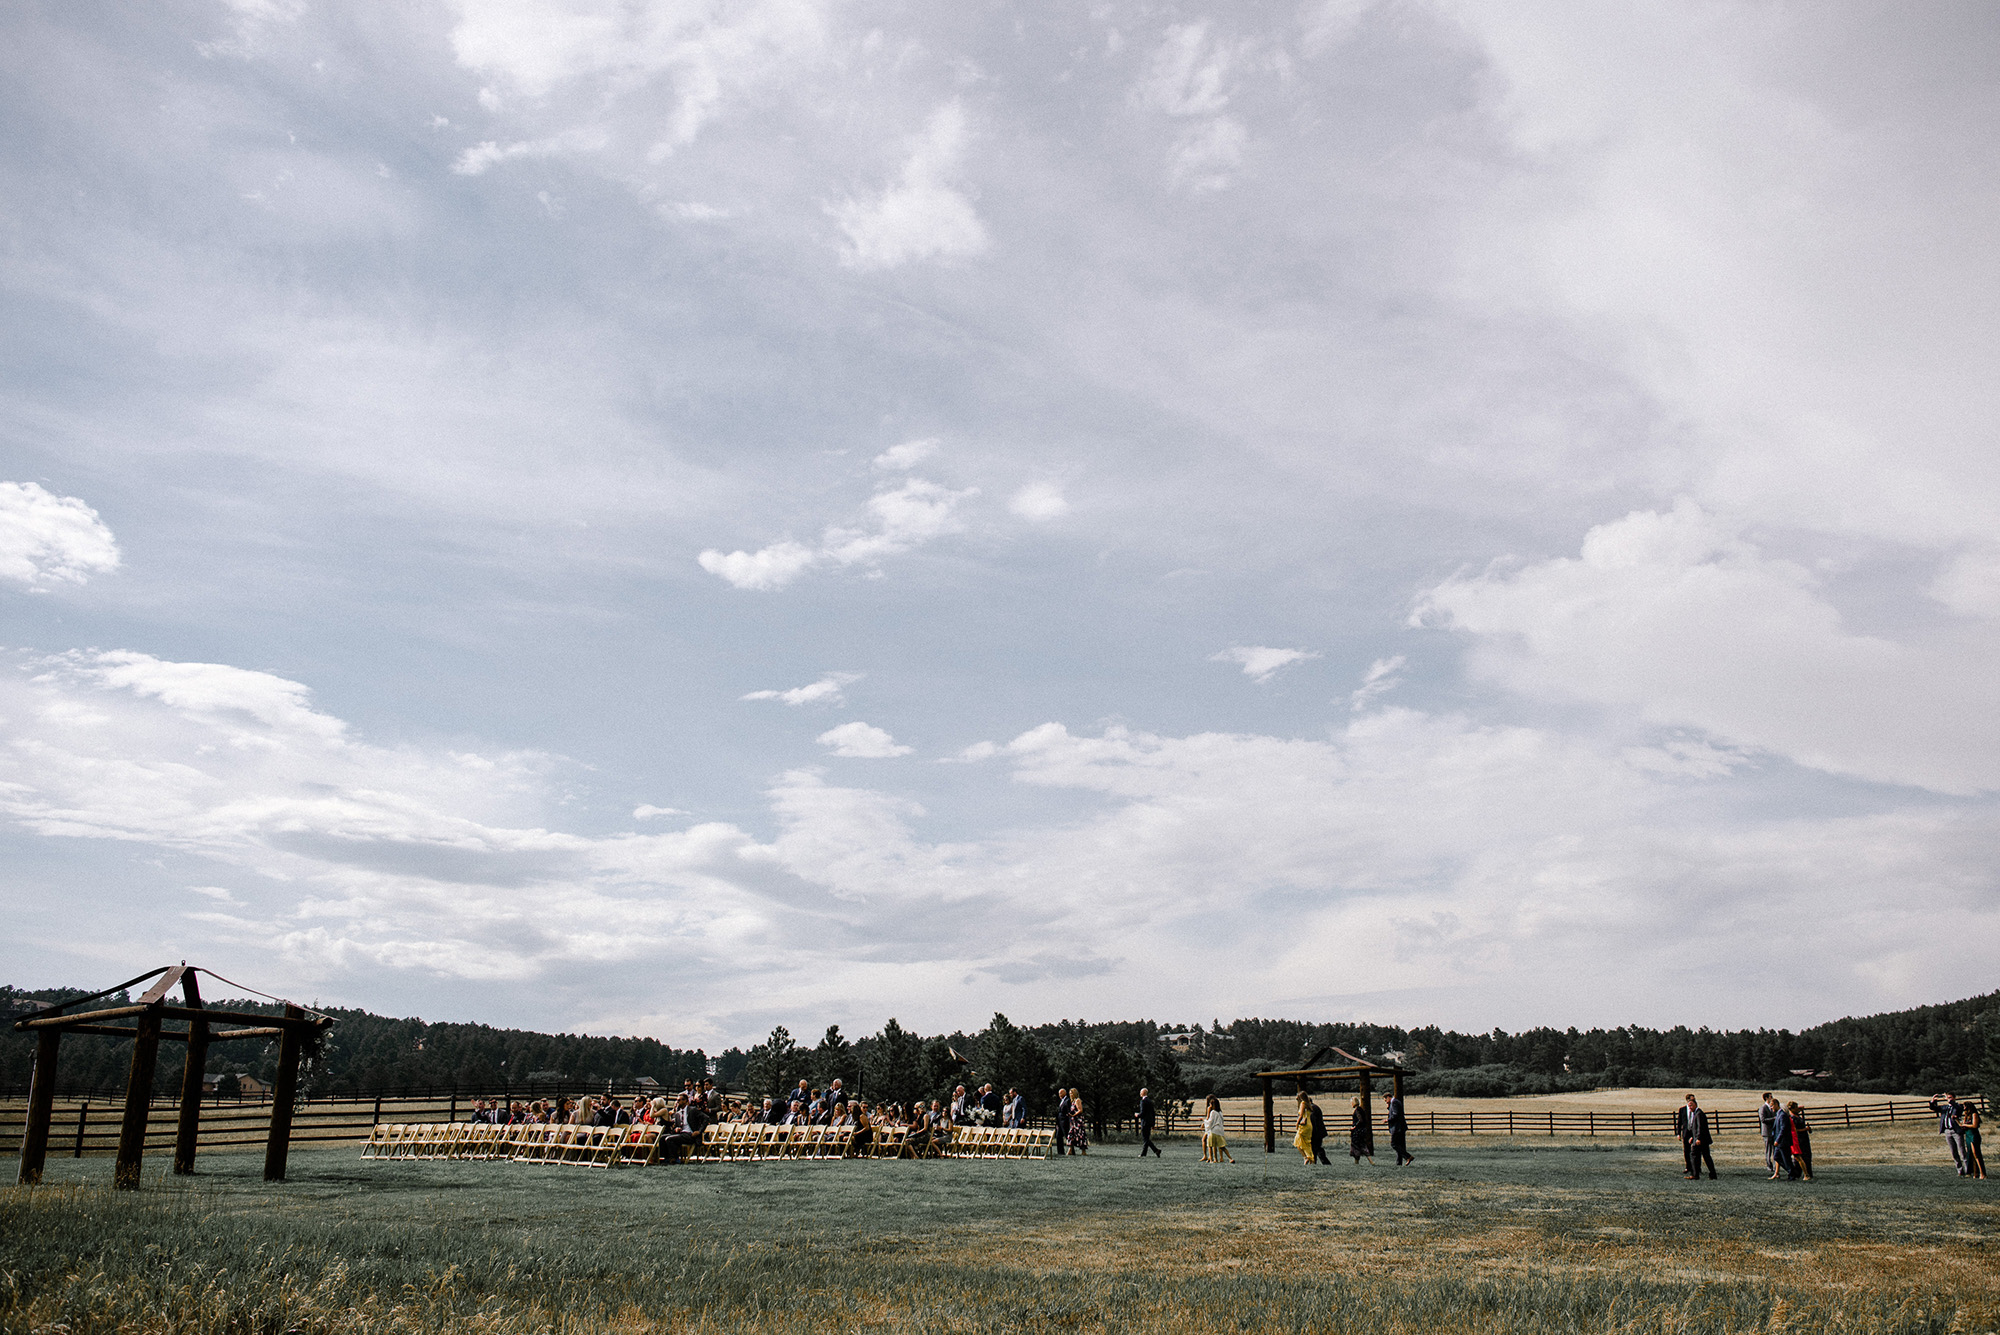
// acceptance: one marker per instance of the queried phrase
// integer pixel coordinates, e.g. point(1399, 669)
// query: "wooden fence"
point(90, 1126)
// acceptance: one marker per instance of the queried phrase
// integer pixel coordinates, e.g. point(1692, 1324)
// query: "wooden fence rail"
point(91, 1127)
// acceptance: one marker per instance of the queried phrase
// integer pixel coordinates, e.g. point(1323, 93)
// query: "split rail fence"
point(88, 1127)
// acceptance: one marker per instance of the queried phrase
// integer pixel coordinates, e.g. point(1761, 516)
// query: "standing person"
point(1079, 1130)
point(1302, 1133)
point(1360, 1134)
point(1015, 1109)
point(1801, 1145)
point(1946, 1108)
point(1398, 1123)
point(1146, 1125)
point(1318, 1119)
point(1214, 1145)
point(1786, 1162)
point(1767, 1127)
point(1968, 1131)
point(1062, 1121)
point(1691, 1125)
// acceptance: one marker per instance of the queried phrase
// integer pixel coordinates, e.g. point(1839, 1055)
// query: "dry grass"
point(1527, 1239)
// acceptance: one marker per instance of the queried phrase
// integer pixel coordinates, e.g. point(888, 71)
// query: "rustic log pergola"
point(1362, 1071)
point(149, 1014)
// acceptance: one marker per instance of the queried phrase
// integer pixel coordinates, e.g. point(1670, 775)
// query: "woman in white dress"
point(1214, 1145)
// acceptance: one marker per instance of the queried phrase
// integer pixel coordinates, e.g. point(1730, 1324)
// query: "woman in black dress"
point(1360, 1134)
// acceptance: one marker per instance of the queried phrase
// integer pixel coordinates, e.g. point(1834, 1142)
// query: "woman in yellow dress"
point(1302, 1139)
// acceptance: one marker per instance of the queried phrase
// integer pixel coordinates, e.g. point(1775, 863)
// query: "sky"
point(672, 517)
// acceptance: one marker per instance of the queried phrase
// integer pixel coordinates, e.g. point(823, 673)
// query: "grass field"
point(1513, 1236)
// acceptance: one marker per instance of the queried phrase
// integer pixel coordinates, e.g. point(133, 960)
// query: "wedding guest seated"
point(689, 1118)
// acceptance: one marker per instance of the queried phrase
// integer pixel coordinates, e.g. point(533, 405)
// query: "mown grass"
point(1542, 1239)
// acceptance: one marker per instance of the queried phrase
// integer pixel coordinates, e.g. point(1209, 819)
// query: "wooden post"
point(278, 1145)
point(82, 1117)
point(41, 1106)
point(1270, 1121)
point(138, 1100)
point(1367, 1108)
point(188, 1133)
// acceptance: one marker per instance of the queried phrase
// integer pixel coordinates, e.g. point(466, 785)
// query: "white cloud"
point(1462, 862)
point(47, 539)
point(615, 51)
point(827, 690)
point(1676, 616)
point(861, 741)
point(1190, 77)
point(770, 567)
point(1039, 501)
point(648, 812)
point(907, 455)
point(1383, 676)
point(904, 518)
point(924, 215)
point(1259, 662)
point(1970, 584)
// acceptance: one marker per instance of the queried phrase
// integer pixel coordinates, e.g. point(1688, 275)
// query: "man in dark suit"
point(1691, 1125)
point(1318, 1121)
point(1146, 1125)
point(1399, 1128)
point(1062, 1121)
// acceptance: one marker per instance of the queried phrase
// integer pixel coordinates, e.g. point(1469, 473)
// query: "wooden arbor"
point(1362, 1071)
point(149, 1014)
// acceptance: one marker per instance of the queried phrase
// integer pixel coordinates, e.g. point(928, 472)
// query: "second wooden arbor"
point(1364, 1073)
point(149, 1016)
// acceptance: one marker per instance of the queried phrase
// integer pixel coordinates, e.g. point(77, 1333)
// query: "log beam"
point(41, 1106)
point(284, 1092)
point(187, 1132)
point(138, 1101)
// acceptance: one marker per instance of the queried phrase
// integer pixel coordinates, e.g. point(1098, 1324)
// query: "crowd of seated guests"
point(927, 1127)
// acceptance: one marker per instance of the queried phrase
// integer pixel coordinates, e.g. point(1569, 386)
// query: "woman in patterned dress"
point(1079, 1134)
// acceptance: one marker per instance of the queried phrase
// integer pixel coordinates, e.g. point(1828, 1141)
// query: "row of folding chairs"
point(438, 1140)
point(1000, 1142)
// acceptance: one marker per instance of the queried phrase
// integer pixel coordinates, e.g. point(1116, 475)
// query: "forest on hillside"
point(1918, 1051)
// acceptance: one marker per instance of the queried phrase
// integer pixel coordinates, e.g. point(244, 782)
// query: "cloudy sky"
point(673, 516)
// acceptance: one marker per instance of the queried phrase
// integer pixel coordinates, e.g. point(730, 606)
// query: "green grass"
point(1503, 1238)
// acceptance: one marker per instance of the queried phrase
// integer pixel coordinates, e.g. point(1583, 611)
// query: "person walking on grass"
point(1360, 1133)
point(1767, 1126)
point(1801, 1145)
point(1968, 1132)
point(1062, 1121)
point(1146, 1116)
point(1398, 1123)
point(1691, 1125)
point(1302, 1132)
point(1214, 1145)
point(1079, 1130)
point(1787, 1162)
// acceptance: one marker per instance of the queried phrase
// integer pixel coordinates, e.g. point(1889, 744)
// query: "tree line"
point(1917, 1051)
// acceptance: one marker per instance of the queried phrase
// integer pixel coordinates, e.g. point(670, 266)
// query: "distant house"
point(247, 1086)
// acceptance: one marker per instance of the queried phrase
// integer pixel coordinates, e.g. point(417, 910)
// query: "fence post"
point(1892, 1110)
point(453, 1115)
point(1635, 1122)
point(1552, 1121)
point(378, 1110)
point(1592, 1114)
point(82, 1116)
point(1846, 1115)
